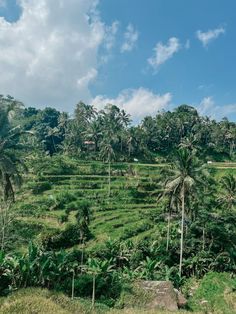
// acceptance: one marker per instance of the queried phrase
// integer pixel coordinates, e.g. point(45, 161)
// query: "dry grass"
point(39, 301)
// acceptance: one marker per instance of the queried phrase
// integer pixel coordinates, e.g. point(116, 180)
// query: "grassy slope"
point(134, 189)
point(115, 217)
point(40, 301)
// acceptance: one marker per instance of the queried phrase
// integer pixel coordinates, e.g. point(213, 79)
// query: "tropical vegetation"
point(92, 203)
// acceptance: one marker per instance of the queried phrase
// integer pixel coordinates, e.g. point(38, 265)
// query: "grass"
point(39, 301)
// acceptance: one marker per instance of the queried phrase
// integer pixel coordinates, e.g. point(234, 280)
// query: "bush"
point(65, 239)
point(213, 294)
point(64, 198)
point(40, 187)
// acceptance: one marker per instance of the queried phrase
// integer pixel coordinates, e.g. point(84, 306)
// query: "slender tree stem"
point(109, 183)
point(203, 239)
point(168, 233)
point(73, 285)
point(94, 287)
point(182, 233)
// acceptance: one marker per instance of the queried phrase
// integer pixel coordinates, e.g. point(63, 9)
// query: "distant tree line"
point(110, 134)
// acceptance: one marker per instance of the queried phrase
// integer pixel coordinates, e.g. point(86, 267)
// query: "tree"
point(107, 154)
point(228, 197)
point(93, 132)
point(186, 175)
point(11, 163)
point(83, 217)
point(96, 267)
point(6, 218)
point(172, 204)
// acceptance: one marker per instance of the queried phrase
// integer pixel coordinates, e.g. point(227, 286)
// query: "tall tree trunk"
point(182, 233)
point(168, 233)
point(94, 287)
point(109, 180)
point(203, 239)
point(82, 254)
point(73, 285)
point(53, 143)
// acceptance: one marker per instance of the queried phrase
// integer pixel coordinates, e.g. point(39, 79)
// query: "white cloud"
point(209, 107)
point(111, 32)
point(164, 52)
point(89, 77)
point(130, 38)
point(50, 55)
point(137, 102)
point(210, 35)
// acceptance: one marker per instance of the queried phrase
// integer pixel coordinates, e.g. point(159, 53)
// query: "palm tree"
point(83, 217)
point(107, 154)
point(172, 204)
point(93, 132)
point(84, 114)
point(228, 184)
point(96, 267)
point(186, 176)
point(11, 165)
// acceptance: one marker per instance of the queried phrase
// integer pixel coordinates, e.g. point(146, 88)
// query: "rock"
point(163, 295)
point(181, 300)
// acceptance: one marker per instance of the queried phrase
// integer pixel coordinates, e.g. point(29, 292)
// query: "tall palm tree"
point(228, 197)
point(96, 267)
point(186, 176)
point(93, 132)
point(83, 217)
point(11, 165)
point(84, 114)
point(107, 154)
point(172, 205)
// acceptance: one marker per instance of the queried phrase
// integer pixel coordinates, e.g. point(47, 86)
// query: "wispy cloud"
point(130, 38)
point(210, 35)
point(209, 107)
point(137, 102)
point(110, 35)
point(163, 52)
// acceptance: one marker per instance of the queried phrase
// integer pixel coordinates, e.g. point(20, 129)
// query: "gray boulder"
point(163, 295)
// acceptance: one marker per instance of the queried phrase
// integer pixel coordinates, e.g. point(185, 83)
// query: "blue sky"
point(143, 56)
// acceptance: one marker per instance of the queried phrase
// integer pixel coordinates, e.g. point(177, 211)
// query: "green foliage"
point(214, 294)
point(63, 239)
point(40, 187)
point(69, 198)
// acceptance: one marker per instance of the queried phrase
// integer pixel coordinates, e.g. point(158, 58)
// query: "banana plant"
point(97, 267)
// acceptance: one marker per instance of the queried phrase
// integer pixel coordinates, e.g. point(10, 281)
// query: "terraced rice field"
point(134, 191)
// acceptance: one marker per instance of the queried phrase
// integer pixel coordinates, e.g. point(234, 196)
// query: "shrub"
point(65, 239)
point(40, 187)
point(211, 295)
point(64, 198)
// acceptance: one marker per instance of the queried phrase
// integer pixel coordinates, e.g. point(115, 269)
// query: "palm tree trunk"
point(93, 295)
point(203, 239)
point(109, 182)
point(53, 143)
point(168, 233)
point(82, 254)
point(4, 219)
point(182, 233)
point(73, 285)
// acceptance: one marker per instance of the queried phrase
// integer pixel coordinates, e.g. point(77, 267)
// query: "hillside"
point(124, 215)
point(92, 205)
